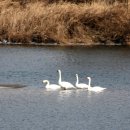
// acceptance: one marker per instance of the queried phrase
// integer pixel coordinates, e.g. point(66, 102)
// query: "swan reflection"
point(63, 94)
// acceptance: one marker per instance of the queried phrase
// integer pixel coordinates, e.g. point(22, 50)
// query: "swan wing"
point(98, 89)
point(82, 86)
point(53, 86)
point(66, 85)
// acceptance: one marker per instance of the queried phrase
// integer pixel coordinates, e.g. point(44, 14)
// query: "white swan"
point(80, 85)
point(51, 86)
point(95, 88)
point(63, 84)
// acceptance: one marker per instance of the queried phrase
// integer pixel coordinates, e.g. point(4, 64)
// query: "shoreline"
point(62, 44)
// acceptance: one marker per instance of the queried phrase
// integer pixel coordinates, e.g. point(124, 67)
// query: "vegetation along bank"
point(65, 22)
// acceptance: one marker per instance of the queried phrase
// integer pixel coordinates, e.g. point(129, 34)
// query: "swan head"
point(45, 81)
point(89, 77)
point(59, 71)
point(76, 75)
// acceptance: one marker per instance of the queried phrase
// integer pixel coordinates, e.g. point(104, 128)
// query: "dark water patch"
point(14, 86)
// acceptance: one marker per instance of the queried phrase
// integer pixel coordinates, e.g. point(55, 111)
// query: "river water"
point(34, 108)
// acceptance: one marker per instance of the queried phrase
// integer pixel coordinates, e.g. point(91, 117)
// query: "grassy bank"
point(64, 22)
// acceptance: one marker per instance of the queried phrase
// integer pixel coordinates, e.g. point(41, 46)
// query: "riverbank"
point(64, 23)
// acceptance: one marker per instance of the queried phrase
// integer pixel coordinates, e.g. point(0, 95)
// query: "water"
point(108, 67)
point(33, 107)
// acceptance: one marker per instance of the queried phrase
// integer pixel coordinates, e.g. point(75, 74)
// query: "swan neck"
point(77, 79)
point(89, 83)
point(59, 76)
point(48, 83)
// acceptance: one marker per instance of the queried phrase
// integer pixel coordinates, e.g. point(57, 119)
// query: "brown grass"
point(63, 22)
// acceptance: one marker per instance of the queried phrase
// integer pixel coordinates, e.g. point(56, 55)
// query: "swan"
point(63, 84)
point(51, 86)
point(95, 88)
point(80, 85)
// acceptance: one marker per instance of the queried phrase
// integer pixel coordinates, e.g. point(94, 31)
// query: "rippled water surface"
point(34, 108)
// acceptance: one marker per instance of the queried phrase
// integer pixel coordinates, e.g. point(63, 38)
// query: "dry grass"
point(63, 22)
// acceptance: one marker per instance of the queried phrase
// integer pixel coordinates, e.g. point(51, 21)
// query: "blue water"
point(35, 108)
point(108, 66)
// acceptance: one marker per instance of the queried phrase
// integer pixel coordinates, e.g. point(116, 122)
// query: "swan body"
point(63, 84)
point(80, 85)
point(51, 86)
point(95, 88)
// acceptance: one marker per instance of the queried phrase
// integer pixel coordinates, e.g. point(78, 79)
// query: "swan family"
point(66, 85)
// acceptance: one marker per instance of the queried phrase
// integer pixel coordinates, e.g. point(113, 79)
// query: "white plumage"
point(95, 88)
point(80, 85)
point(63, 84)
point(51, 86)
